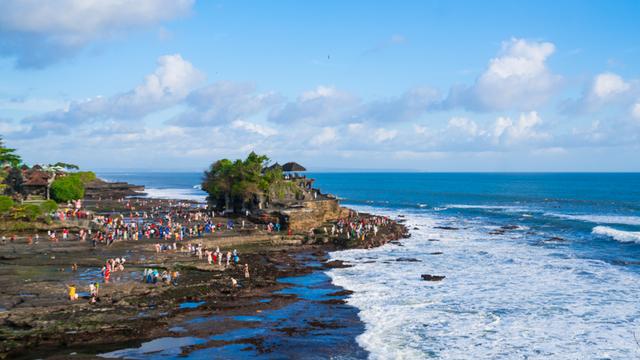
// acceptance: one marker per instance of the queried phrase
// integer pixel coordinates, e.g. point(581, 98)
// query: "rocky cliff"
point(312, 214)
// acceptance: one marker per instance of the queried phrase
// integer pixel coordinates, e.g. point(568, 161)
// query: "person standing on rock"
point(246, 271)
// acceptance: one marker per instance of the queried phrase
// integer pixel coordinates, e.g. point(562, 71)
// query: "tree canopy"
point(66, 166)
point(233, 185)
point(8, 156)
point(67, 188)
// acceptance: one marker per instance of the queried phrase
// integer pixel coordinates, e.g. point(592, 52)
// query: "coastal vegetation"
point(71, 186)
point(244, 184)
point(67, 188)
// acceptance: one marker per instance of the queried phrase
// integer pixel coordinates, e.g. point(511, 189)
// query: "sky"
point(335, 85)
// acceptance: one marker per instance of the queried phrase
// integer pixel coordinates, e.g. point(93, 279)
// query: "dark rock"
point(416, 228)
point(336, 264)
point(446, 228)
point(436, 253)
point(341, 293)
point(427, 277)
point(407, 259)
point(510, 227)
point(556, 239)
point(433, 240)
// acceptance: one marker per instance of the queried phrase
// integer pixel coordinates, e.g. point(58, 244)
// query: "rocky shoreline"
point(37, 320)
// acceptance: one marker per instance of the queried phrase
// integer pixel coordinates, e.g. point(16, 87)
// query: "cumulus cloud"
point(464, 125)
point(607, 85)
point(526, 129)
point(325, 136)
point(635, 110)
point(254, 128)
point(40, 32)
point(224, 102)
point(322, 105)
point(382, 135)
point(173, 79)
point(605, 88)
point(517, 78)
point(407, 107)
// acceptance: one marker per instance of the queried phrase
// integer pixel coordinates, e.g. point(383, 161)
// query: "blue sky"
point(425, 85)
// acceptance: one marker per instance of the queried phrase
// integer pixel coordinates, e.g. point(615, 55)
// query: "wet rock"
point(446, 228)
point(333, 302)
point(341, 293)
point(510, 227)
point(403, 259)
point(416, 228)
point(427, 277)
point(556, 239)
point(336, 264)
point(324, 325)
point(436, 253)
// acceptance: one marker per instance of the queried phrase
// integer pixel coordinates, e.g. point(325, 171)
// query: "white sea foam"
point(501, 298)
point(178, 194)
point(510, 208)
point(620, 235)
point(600, 219)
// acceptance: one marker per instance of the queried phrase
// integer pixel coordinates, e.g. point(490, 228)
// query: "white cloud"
point(170, 83)
point(407, 107)
point(254, 128)
point(465, 125)
point(518, 78)
point(40, 32)
point(635, 110)
point(382, 135)
point(508, 132)
point(325, 136)
point(607, 85)
point(419, 129)
point(605, 89)
point(322, 105)
point(224, 102)
point(355, 128)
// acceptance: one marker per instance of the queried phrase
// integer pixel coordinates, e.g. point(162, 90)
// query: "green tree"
point(67, 188)
point(66, 166)
point(233, 185)
point(8, 156)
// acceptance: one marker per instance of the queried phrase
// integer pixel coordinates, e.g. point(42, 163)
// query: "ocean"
point(537, 265)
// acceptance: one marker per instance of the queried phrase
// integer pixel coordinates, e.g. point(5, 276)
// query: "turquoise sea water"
point(536, 265)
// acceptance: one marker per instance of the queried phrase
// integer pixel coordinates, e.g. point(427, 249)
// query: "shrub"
point(85, 176)
point(48, 207)
point(6, 203)
point(67, 188)
point(31, 211)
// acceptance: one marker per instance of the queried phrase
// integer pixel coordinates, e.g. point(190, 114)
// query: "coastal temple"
point(303, 206)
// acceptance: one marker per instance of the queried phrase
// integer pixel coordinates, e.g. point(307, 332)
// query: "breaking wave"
point(619, 235)
point(176, 194)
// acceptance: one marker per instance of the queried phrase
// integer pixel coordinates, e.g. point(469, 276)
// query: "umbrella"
point(293, 166)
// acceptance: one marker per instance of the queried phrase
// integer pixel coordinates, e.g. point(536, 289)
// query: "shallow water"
point(306, 328)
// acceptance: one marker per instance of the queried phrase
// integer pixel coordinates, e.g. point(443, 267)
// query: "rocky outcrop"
point(99, 189)
point(312, 214)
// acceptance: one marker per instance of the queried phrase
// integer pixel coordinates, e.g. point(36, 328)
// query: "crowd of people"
point(154, 276)
point(356, 227)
